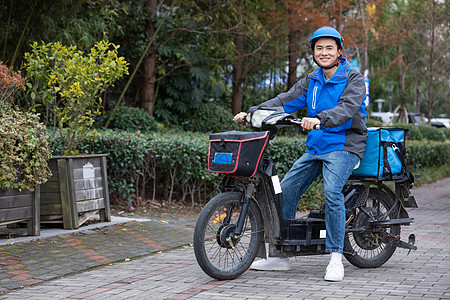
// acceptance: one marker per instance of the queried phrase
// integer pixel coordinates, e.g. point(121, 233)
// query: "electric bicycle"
point(234, 226)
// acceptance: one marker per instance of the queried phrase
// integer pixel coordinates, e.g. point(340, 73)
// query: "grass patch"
point(431, 174)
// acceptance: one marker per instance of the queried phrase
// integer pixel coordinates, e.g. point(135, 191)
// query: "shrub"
point(427, 154)
point(414, 133)
point(210, 117)
point(129, 119)
point(373, 123)
point(24, 150)
point(126, 152)
point(10, 82)
point(432, 133)
point(285, 151)
point(68, 83)
point(171, 166)
point(446, 133)
point(183, 160)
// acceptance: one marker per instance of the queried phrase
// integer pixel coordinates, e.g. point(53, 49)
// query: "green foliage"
point(173, 166)
point(285, 151)
point(373, 123)
point(196, 47)
point(427, 154)
point(24, 150)
point(68, 83)
point(409, 22)
point(414, 134)
point(75, 22)
point(431, 174)
point(446, 133)
point(126, 152)
point(130, 119)
point(313, 198)
point(211, 117)
point(432, 133)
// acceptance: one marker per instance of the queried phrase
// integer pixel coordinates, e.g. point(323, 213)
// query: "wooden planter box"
point(77, 190)
point(22, 206)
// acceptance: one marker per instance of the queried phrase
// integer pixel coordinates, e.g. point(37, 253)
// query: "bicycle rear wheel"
point(367, 249)
point(219, 256)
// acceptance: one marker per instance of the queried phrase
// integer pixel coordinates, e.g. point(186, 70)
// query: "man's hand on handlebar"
point(310, 123)
point(240, 117)
point(306, 123)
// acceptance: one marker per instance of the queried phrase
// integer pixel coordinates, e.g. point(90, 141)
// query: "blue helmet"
point(326, 31)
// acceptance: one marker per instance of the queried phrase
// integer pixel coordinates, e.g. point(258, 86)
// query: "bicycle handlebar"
point(293, 121)
point(272, 119)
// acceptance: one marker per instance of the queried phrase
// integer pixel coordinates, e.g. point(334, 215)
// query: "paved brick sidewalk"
point(25, 264)
point(424, 274)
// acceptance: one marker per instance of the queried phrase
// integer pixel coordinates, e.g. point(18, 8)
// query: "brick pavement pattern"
point(24, 264)
point(424, 274)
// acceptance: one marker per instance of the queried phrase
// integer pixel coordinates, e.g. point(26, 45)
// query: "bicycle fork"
point(246, 199)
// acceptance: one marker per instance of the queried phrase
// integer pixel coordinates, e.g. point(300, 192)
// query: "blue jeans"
point(336, 167)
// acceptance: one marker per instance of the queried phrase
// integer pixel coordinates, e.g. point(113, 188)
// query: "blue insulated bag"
point(385, 154)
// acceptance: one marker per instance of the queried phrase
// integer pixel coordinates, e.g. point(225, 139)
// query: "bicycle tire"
point(367, 250)
point(217, 220)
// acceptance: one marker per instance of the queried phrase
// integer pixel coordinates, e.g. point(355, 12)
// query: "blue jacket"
point(337, 103)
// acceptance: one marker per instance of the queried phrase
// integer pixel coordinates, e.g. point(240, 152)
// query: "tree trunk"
point(431, 64)
point(149, 82)
point(293, 49)
point(238, 78)
point(364, 64)
point(403, 68)
point(339, 17)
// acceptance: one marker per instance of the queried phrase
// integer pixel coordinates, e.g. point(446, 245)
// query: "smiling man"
point(334, 96)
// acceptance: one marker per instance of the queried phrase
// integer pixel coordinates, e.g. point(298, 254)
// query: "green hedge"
point(427, 154)
point(161, 165)
point(446, 133)
point(425, 132)
point(172, 166)
point(285, 151)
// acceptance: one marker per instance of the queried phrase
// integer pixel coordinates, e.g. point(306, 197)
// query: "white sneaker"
point(272, 264)
point(334, 272)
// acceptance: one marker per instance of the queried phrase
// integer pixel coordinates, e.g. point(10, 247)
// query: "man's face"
point(326, 51)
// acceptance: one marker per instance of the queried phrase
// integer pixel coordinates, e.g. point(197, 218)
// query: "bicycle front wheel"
point(220, 256)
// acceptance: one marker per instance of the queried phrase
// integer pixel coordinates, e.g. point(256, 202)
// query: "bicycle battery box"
point(236, 153)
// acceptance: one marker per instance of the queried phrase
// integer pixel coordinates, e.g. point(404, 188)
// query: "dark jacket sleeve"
point(298, 89)
point(349, 104)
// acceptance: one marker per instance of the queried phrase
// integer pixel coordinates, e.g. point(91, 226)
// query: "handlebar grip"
point(316, 127)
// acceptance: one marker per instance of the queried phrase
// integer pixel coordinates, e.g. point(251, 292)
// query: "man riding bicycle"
point(334, 97)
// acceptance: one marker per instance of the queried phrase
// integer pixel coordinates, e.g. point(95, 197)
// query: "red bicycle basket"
point(236, 153)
